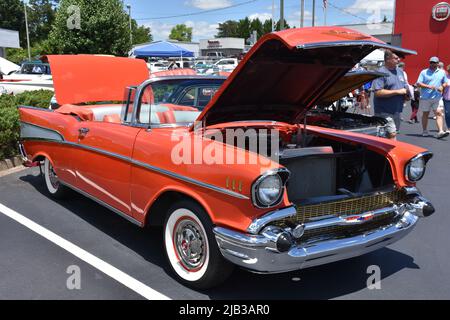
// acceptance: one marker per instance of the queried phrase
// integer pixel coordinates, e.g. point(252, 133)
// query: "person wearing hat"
point(430, 82)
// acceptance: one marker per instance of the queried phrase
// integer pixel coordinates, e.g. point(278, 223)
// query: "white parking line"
point(82, 254)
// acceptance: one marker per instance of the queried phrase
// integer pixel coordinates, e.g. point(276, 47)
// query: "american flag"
point(325, 4)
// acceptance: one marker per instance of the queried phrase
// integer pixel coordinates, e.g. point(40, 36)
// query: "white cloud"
point(209, 4)
point(200, 29)
point(261, 16)
point(294, 19)
point(373, 6)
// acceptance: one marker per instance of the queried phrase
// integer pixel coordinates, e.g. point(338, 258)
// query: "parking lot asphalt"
point(32, 267)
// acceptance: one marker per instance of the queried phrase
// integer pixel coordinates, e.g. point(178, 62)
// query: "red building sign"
point(424, 27)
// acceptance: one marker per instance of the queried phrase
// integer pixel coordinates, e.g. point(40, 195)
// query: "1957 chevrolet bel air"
point(300, 197)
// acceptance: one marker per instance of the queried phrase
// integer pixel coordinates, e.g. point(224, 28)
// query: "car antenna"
point(304, 135)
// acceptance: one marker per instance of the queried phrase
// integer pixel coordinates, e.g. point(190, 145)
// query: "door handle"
point(83, 131)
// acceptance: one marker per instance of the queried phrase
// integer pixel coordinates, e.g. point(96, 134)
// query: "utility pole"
point(131, 30)
point(273, 15)
point(314, 13)
point(302, 13)
point(281, 14)
point(26, 26)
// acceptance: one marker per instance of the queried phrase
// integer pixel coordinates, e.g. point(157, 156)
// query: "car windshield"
point(176, 101)
point(35, 68)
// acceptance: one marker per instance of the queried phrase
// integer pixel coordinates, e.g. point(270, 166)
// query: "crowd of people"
point(430, 93)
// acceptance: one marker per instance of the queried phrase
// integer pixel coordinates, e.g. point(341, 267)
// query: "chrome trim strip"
point(317, 45)
point(100, 202)
point(152, 168)
point(259, 223)
point(33, 131)
point(411, 190)
point(35, 108)
point(190, 180)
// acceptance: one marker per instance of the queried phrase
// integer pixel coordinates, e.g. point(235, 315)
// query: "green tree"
point(12, 17)
point(256, 25)
point(141, 34)
point(286, 25)
point(181, 33)
point(229, 28)
point(104, 28)
point(41, 15)
point(244, 28)
point(267, 26)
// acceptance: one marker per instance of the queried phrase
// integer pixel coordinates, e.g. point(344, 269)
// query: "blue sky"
point(154, 13)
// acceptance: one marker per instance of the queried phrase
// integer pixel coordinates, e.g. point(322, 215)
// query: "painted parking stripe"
point(82, 254)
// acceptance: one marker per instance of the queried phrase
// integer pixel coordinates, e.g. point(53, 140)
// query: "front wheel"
point(54, 186)
point(191, 247)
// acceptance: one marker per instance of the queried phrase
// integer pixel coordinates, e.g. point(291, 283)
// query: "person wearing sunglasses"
point(431, 81)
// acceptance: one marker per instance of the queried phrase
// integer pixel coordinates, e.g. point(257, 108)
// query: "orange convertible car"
point(229, 167)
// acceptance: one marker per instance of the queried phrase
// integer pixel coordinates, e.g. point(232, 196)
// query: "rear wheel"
point(191, 247)
point(54, 186)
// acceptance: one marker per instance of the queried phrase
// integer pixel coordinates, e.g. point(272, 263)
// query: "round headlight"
point(415, 169)
point(269, 190)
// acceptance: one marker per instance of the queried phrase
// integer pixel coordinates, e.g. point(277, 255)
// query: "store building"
point(8, 39)
point(423, 26)
point(227, 46)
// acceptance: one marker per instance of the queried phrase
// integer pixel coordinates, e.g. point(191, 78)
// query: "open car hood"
point(286, 73)
point(85, 78)
point(351, 81)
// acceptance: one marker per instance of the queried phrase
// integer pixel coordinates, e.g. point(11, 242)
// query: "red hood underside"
point(85, 78)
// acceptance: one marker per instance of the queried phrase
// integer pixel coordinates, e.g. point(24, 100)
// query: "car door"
point(103, 162)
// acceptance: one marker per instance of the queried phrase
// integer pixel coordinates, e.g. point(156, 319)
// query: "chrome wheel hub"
point(190, 244)
point(53, 177)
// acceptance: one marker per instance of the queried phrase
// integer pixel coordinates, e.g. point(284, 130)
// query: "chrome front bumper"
point(260, 253)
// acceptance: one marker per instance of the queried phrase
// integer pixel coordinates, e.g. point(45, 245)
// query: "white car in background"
point(225, 65)
point(156, 66)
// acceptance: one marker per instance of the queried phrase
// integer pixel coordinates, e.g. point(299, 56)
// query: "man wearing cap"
point(431, 81)
point(390, 93)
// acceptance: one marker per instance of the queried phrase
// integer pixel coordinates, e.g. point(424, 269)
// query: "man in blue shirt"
point(431, 81)
point(390, 93)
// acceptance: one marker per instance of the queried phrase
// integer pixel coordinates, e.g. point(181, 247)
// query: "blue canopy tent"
point(162, 49)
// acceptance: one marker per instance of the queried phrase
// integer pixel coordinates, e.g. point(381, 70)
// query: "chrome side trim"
point(190, 180)
point(104, 204)
point(317, 45)
point(259, 223)
point(35, 108)
point(33, 131)
point(149, 167)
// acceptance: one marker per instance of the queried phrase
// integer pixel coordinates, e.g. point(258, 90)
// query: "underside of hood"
point(88, 78)
point(351, 81)
point(286, 73)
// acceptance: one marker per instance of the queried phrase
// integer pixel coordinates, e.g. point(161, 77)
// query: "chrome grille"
point(343, 207)
point(351, 230)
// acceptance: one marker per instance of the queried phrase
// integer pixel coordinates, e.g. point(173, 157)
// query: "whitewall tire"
point(54, 186)
point(191, 247)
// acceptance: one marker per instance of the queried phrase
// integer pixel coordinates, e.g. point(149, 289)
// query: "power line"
point(200, 12)
point(345, 11)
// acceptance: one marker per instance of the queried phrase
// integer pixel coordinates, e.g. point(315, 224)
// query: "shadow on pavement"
point(323, 282)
